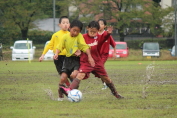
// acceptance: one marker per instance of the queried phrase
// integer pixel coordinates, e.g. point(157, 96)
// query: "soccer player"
point(104, 52)
point(73, 42)
point(55, 40)
point(95, 42)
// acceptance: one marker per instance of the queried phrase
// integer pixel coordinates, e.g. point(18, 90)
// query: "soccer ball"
point(75, 95)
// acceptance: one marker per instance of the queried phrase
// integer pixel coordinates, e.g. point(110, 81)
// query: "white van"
point(49, 54)
point(23, 50)
point(151, 49)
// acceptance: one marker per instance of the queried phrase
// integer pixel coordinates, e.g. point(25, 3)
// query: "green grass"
point(25, 87)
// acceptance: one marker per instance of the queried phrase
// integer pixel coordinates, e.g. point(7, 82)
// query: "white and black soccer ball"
point(75, 95)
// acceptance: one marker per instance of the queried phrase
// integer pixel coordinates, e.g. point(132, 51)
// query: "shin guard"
point(74, 84)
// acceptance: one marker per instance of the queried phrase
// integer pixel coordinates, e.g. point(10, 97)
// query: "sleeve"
point(82, 44)
point(61, 45)
point(50, 45)
point(112, 42)
point(102, 38)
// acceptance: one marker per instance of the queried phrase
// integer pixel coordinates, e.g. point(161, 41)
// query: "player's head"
point(75, 28)
point(93, 28)
point(102, 24)
point(64, 23)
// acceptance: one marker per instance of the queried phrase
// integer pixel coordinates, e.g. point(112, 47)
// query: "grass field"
point(29, 90)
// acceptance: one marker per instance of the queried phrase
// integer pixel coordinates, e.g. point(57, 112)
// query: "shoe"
point(60, 93)
point(104, 87)
point(60, 99)
point(119, 96)
point(65, 90)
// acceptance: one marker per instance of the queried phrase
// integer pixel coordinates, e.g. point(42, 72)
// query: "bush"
point(40, 37)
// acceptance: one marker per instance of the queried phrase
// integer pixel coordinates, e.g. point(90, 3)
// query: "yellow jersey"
point(72, 44)
point(55, 40)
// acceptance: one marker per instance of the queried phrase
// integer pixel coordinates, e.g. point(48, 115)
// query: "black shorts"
point(70, 64)
point(59, 63)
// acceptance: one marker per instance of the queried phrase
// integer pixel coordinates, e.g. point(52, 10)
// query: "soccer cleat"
point(60, 93)
point(118, 96)
point(65, 90)
point(104, 87)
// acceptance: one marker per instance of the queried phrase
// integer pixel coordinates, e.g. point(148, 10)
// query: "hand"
point(41, 58)
point(55, 57)
point(91, 61)
point(109, 29)
point(114, 55)
point(78, 53)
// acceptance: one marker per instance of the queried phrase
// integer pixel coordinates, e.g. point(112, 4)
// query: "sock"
point(74, 84)
point(67, 83)
point(113, 90)
point(60, 94)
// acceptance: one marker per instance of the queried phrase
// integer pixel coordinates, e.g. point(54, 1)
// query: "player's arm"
point(114, 54)
point(105, 36)
point(85, 48)
point(113, 44)
point(47, 47)
point(59, 49)
point(90, 59)
point(56, 54)
point(77, 53)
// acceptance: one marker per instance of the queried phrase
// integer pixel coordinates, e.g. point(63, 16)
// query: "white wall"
point(166, 3)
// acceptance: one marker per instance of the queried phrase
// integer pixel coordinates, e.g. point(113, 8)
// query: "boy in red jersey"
point(95, 42)
point(104, 52)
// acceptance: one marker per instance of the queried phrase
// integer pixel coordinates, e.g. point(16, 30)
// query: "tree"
point(125, 15)
point(20, 14)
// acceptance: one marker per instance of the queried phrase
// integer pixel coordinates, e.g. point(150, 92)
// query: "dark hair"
point(76, 23)
point(63, 17)
point(94, 24)
point(104, 21)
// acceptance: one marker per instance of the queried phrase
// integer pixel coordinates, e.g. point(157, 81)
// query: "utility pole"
point(175, 29)
point(54, 16)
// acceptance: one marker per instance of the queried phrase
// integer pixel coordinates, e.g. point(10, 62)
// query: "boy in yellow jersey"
point(73, 42)
point(55, 40)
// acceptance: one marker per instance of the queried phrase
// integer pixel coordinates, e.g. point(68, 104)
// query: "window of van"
point(22, 46)
point(151, 46)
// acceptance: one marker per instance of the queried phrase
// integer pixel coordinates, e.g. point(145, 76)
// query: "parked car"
point(49, 54)
point(122, 50)
point(23, 50)
point(172, 51)
point(151, 49)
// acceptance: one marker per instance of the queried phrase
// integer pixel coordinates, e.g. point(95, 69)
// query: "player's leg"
point(71, 67)
point(74, 84)
point(111, 86)
point(104, 59)
point(61, 84)
point(73, 76)
point(59, 64)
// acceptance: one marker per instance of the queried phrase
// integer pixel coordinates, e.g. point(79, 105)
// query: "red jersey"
point(95, 44)
point(105, 47)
